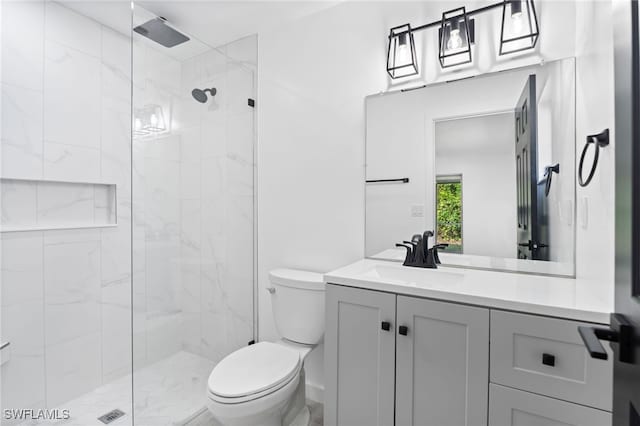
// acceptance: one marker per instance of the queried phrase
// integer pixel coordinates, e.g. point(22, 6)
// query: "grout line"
point(132, 221)
point(45, 380)
point(44, 71)
point(101, 231)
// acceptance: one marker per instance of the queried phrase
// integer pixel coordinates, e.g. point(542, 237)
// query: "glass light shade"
point(148, 120)
point(401, 54)
point(519, 26)
point(455, 42)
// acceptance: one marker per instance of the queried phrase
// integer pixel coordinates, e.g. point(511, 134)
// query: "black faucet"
point(419, 254)
point(408, 259)
point(435, 249)
point(415, 252)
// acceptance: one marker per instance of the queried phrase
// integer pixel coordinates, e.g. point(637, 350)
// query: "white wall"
point(313, 76)
point(482, 150)
point(594, 112)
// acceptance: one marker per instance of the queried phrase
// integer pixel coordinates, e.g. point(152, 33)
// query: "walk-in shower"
point(127, 229)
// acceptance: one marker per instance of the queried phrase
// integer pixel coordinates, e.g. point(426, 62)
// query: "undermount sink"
point(407, 274)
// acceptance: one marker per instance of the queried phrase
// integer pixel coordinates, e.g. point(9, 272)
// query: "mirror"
point(488, 163)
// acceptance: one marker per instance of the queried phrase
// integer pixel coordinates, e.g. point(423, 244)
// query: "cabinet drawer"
point(512, 407)
point(547, 356)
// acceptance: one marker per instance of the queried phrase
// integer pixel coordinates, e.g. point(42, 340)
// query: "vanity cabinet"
point(400, 360)
point(404, 360)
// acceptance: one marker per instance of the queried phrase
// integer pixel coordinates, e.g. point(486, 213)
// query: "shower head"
point(158, 31)
point(201, 95)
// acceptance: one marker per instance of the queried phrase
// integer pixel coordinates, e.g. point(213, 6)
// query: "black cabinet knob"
point(386, 325)
point(403, 329)
point(548, 359)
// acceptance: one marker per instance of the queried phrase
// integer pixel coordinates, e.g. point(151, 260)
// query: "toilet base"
point(298, 411)
point(293, 412)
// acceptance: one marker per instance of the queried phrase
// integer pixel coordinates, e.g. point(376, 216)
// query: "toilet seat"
point(253, 372)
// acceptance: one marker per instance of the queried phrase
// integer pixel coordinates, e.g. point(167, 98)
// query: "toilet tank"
point(297, 302)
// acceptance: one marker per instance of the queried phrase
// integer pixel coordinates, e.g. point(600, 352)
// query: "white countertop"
point(568, 298)
point(487, 262)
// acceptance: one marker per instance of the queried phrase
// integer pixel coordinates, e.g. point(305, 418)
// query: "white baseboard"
point(315, 392)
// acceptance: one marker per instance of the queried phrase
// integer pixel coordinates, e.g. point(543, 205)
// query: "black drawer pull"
point(403, 329)
point(386, 325)
point(548, 359)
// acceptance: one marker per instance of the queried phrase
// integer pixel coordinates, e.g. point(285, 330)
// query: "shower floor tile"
point(169, 392)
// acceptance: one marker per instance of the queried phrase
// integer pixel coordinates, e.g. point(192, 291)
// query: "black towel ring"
point(548, 174)
point(599, 140)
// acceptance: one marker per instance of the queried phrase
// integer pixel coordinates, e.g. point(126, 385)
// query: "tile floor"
point(317, 410)
point(167, 393)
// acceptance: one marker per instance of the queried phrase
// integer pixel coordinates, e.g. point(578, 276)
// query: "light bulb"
point(403, 54)
point(516, 15)
point(517, 22)
point(154, 120)
point(455, 41)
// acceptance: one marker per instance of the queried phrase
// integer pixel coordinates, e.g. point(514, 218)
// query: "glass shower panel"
point(193, 209)
point(65, 240)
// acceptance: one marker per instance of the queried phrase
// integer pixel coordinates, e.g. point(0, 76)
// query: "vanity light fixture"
point(455, 40)
point(401, 54)
point(519, 31)
point(519, 26)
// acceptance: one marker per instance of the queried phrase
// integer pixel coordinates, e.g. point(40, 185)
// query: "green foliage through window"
point(449, 213)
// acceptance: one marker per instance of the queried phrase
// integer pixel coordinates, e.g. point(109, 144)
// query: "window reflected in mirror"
point(449, 212)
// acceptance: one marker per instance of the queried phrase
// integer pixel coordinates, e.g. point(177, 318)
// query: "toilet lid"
point(253, 369)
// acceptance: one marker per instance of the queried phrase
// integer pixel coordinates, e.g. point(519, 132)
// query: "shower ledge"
point(46, 204)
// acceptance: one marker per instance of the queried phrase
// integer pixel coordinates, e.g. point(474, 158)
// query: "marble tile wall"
point(216, 201)
point(66, 304)
point(193, 205)
point(186, 196)
point(156, 212)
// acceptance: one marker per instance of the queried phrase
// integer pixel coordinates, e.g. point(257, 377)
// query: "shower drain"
point(111, 416)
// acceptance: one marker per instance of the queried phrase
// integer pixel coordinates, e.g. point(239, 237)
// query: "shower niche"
point(41, 205)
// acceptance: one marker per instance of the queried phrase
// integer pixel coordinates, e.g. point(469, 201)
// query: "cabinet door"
point(442, 364)
point(359, 357)
point(512, 407)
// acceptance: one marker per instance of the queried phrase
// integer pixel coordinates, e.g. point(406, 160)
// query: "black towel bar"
point(401, 180)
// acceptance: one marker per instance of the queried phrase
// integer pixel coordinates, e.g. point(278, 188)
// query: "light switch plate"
point(417, 210)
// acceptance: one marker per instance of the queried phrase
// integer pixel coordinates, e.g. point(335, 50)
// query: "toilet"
point(264, 383)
